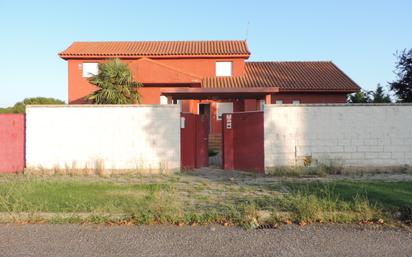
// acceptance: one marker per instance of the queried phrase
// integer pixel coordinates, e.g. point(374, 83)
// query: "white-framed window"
point(279, 101)
point(163, 99)
point(223, 69)
point(222, 108)
point(90, 69)
point(295, 102)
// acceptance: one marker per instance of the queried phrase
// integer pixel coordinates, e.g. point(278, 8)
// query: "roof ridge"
point(98, 49)
point(318, 61)
point(161, 41)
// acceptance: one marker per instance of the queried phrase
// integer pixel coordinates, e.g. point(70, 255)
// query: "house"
point(208, 77)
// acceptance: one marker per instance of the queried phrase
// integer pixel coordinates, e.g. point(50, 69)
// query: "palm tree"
point(116, 84)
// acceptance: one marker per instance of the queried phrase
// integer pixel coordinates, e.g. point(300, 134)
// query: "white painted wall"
point(120, 137)
point(352, 135)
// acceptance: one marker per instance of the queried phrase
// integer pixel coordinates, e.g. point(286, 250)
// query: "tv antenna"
point(247, 30)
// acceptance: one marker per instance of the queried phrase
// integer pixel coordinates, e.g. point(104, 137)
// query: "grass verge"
point(190, 199)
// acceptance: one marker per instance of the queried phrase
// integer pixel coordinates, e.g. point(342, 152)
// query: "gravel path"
point(90, 240)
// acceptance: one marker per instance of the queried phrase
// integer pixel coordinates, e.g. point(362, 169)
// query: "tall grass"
point(326, 205)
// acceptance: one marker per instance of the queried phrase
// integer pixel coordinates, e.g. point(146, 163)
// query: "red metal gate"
point(12, 142)
point(193, 141)
point(243, 147)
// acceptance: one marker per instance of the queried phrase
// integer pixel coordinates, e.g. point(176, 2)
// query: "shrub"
point(20, 107)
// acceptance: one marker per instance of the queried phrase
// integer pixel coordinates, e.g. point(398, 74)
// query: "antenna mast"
point(247, 30)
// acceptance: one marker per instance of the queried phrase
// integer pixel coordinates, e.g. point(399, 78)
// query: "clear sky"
point(359, 36)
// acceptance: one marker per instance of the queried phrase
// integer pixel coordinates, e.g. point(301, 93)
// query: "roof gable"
point(218, 48)
point(148, 71)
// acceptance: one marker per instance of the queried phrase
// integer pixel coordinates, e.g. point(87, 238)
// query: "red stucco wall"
point(79, 87)
point(243, 142)
point(12, 130)
point(193, 142)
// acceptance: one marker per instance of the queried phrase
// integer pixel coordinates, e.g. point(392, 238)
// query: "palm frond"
point(115, 83)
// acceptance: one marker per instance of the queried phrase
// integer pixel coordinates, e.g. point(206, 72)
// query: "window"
point(261, 104)
point(90, 69)
point(223, 69)
point(279, 101)
point(222, 108)
point(163, 99)
point(296, 102)
point(178, 102)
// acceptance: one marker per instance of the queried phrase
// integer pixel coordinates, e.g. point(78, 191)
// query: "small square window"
point(279, 101)
point(222, 108)
point(223, 69)
point(163, 99)
point(296, 102)
point(90, 69)
point(261, 104)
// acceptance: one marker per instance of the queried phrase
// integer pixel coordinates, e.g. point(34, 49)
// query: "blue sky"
point(359, 36)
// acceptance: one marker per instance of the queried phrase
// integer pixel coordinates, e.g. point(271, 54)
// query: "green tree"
point(20, 107)
point(362, 96)
point(402, 87)
point(379, 95)
point(116, 84)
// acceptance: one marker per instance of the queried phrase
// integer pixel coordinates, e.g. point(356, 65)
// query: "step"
point(215, 142)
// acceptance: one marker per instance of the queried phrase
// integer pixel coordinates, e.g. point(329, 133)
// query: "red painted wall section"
point(188, 141)
point(150, 95)
point(202, 146)
point(238, 105)
point(205, 67)
point(251, 105)
point(243, 146)
point(193, 142)
point(12, 142)
point(148, 71)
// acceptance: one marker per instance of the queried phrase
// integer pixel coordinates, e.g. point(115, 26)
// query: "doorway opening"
point(204, 113)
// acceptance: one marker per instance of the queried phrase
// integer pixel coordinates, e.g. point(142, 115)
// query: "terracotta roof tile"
point(156, 48)
point(288, 76)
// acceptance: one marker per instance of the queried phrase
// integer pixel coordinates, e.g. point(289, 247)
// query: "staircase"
point(215, 142)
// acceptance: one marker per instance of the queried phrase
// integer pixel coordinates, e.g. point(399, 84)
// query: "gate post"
point(187, 141)
point(227, 143)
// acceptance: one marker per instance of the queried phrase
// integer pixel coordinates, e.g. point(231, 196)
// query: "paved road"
point(325, 240)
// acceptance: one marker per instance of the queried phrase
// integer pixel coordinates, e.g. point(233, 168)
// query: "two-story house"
point(207, 77)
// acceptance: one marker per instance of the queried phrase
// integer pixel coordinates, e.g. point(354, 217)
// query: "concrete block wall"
point(351, 135)
point(111, 137)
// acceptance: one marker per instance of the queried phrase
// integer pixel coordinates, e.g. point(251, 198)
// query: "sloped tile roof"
point(288, 76)
point(156, 48)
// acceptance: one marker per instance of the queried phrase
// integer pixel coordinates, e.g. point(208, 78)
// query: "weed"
point(287, 171)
